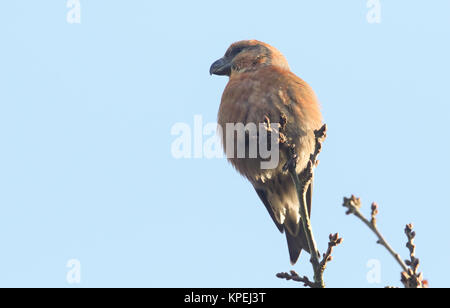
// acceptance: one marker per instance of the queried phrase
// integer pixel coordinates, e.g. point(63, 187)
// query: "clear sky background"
point(86, 170)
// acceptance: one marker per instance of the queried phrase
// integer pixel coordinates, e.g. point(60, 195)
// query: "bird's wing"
point(299, 242)
point(262, 195)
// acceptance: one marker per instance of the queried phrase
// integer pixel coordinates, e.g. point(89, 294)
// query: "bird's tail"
point(297, 243)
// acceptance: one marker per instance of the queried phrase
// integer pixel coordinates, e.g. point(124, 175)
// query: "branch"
point(335, 240)
point(295, 277)
point(354, 204)
point(301, 187)
point(410, 278)
point(301, 184)
point(413, 262)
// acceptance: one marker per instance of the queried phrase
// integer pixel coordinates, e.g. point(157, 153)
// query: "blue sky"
point(86, 170)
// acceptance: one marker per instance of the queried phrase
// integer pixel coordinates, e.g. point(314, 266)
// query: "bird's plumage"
point(261, 86)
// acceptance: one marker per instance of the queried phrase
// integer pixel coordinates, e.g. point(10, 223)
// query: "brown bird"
point(261, 86)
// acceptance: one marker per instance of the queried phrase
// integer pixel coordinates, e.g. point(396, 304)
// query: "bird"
point(262, 87)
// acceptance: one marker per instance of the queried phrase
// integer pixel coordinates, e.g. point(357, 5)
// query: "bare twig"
point(320, 135)
point(354, 204)
point(295, 277)
point(302, 187)
point(335, 240)
point(413, 262)
point(302, 183)
point(410, 278)
point(374, 214)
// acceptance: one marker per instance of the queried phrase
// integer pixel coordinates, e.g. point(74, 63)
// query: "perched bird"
point(261, 86)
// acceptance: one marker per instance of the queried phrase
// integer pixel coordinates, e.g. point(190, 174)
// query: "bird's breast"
point(267, 96)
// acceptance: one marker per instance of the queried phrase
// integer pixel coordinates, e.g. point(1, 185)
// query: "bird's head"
point(245, 56)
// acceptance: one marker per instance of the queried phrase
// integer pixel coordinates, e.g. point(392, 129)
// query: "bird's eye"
point(234, 52)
